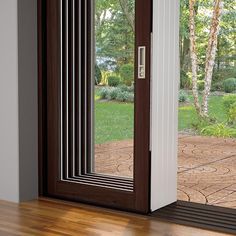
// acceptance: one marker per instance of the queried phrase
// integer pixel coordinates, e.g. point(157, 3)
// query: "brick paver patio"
point(206, 173)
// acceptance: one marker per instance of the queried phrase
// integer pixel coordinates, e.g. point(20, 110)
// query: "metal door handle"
point(142, 62)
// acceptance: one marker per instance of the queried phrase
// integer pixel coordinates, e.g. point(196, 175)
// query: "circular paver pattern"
point(206, 171)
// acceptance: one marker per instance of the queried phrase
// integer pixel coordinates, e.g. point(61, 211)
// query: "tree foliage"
point(115, 37)
point(226, 48)
point(205, 44)
point(114, 27)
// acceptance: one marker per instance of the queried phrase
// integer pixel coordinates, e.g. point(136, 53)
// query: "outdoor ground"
point(207, 165)
point(114, 120)
point(206, 173)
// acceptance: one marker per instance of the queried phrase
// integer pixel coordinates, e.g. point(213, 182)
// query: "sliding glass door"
point(97, 99)
point(112, 42)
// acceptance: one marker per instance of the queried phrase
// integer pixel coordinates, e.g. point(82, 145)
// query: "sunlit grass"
point(188, 115)
point(115, 121)
point(186, 108)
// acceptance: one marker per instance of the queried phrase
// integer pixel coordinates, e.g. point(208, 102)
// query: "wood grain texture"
point(55, 218)
point(77, 190)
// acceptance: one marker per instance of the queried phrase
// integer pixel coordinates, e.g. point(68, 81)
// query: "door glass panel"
point(113, 45)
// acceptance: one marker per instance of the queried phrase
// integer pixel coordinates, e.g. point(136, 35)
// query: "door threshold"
point(199, 215)
point(88, 205)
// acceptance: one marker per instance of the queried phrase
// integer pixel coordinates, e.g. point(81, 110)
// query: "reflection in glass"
point(114, 42)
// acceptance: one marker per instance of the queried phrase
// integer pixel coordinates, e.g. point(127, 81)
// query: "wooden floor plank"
point(54, 218)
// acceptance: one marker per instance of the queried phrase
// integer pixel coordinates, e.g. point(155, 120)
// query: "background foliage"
point(225, 66)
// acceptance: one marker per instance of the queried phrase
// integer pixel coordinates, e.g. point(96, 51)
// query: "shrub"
point(219, 130)
point(125, 88)
point(185, 80)
point(131, 88)
point(98, 75)
point(114, 92)
point(232, 114)
point(228, 101)
point(201, 85)
point(217, 86)
point(199, 124)
point(229, 85)
point(125, 97)
point(105, 75)
point(104, 93)
point(113, 80)
point(130, 98)
point(224, 73)
point(183, 97)
point(125, 93)
point(127, 74)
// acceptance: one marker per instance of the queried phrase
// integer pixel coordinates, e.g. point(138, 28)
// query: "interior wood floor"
point(55, 218)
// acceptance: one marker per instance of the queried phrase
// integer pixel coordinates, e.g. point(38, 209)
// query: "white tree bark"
point(193, 53)
point(211, 53)
point(202, 109)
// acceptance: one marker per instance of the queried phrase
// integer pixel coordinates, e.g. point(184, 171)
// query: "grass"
point(114, 121)
point(188, 116)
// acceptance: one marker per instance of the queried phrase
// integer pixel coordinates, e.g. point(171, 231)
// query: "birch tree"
point(211, 53)
point(202, 108)
point(193, 53)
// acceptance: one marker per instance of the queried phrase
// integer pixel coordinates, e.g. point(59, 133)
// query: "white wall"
point(18, 100)
point(28, 104)
point(165, 83)
point(9, 136)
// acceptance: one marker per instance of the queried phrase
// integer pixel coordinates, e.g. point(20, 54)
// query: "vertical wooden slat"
point(89, 67)
point(53, 89)
point(70, 33)
point(42, 137)
point(84, 79)
point(78, 98)
point(142, 108)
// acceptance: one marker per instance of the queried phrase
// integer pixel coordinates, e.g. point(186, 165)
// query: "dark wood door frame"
point(140, 201)
point(191, 214)
point(42, 102)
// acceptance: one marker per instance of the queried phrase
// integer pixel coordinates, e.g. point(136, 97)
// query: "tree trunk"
point(181, 51)
point(186, 55)
point(219, 54)
point(211, 53)
point(193, 55)
point(129, 15)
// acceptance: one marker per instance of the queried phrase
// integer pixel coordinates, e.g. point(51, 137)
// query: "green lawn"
point(187, 114)
point(114, 121)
